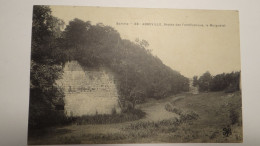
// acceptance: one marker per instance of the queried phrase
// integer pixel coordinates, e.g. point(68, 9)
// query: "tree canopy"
point(46, 67)
point(140, 75)
point(228, 82)
point(134, 65)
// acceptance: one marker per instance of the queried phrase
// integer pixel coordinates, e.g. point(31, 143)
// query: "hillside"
point(139, 73)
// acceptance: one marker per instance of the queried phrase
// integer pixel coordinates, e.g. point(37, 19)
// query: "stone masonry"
point(88, 91)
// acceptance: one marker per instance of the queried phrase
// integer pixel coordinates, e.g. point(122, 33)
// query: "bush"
point(170, 108)
point(184, 118)
point(70, 140)
point(132, 115)
point(228, 82)
point(189, 117)
point(234, 116)
point(113, 111)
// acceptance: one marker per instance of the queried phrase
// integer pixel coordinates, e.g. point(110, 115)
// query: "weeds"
point(189, 117)
point(96, 138)
point(70, 140)
point(184, 118)
point(170, 108)
point(132, 115)
point(204, 123)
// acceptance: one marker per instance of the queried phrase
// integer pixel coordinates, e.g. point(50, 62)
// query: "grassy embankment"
point(182, 118)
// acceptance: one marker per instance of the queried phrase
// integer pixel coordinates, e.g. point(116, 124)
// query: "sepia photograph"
point(111, 75)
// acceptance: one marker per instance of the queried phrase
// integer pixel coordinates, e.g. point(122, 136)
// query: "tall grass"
point(148, 129)
point(184, 118)
point(202, 122)
point(129, 115)
point(170, 108)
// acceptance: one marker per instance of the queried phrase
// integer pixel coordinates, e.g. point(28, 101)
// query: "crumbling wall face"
point(88, 91)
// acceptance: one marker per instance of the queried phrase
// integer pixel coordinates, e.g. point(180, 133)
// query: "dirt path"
point(157, 112)
point(211, 107)
point(155, 109)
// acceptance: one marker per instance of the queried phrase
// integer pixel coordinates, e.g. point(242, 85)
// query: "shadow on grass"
point(130, 115)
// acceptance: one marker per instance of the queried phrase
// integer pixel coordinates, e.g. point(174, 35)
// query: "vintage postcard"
point(134, 75)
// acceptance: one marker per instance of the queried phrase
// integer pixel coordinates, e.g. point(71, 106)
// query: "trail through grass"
point(180, 118)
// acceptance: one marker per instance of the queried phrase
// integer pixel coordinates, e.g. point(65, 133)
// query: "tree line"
point(140, 75)
point(228, 82)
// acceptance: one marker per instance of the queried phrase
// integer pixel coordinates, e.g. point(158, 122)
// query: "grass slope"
point(181, 118)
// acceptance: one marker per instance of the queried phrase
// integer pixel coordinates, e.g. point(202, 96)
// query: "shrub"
point(234, 116)
point(170, 108)
point(113, 112)
point(70, 140)
point(131, 115)
point(189, 116)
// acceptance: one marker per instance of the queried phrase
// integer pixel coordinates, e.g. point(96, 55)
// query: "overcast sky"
point(191, 50)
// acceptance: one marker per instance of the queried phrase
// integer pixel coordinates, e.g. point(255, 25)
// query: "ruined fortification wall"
point(88, 91)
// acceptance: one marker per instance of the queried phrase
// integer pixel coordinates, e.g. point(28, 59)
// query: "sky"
point(188, 41)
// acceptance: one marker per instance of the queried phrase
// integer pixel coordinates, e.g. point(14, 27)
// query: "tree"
point(226, 81)
point(46, 68)
point(76, 34)
point(204, 81)
point(195, 81)
point(139, 74)
point(45, 30)
point(132, 62)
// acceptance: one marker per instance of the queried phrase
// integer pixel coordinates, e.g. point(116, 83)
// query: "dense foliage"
point(228, 82)
point(140, 75)
point(46, 68)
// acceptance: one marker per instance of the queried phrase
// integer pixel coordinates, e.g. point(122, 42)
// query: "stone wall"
point(88, 91)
